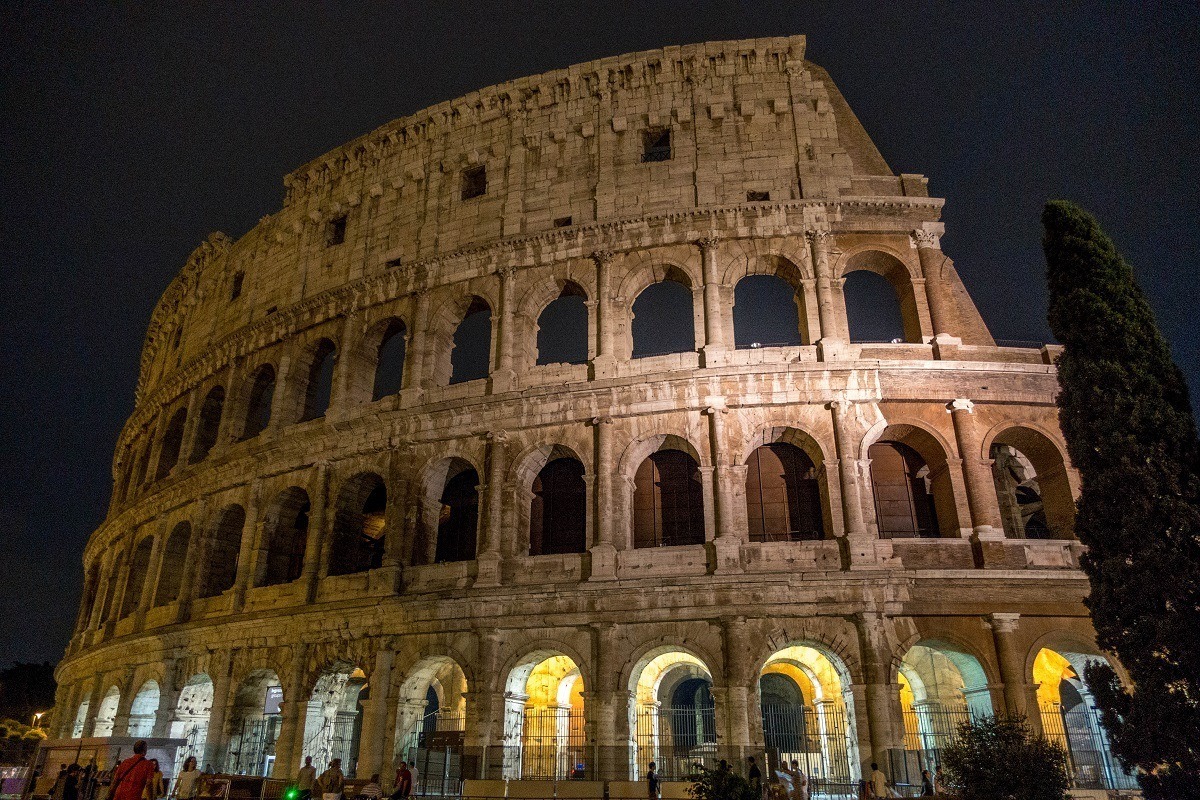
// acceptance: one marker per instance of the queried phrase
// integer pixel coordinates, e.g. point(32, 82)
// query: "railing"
point(928, 732)
point(1079, 733)
point(677, 740)
point(552, 743)
point(817, 739)
point(250, 746)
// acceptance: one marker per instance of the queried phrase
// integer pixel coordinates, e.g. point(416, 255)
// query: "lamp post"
point(37, 718)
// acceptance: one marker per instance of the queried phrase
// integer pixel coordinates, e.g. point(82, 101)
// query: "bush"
point(720, 784)
point(1001, 759)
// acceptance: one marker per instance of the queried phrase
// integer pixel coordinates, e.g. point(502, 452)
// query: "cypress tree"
point(1130, 431)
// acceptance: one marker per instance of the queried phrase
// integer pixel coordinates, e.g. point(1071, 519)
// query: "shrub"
point(1001, 759)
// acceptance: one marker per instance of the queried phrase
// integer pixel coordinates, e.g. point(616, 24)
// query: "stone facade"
point(225, 560)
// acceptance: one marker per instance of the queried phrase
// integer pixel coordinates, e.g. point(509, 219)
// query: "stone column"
point(251, 536)
point(168, 699)
point(370, 748)
point(604, 364)
point(124, 704)
point(480, 706)
point(217, 740)
point(282, 402)
point(95, 698)
point(882, 696)
point(832, 336)
point(339, 395)
point(977, 472)
point(290, 729)
point(313, 544)
point(504, 378)
point(414, 378)
point(194, 558)
point(1020, 697)
point(489, 558)
point(603, 551)
point(728, 540)
point(735, 640)
point(940, 313)
point(601, 702)
point(714, 330)
point(153, 570)
point(394, 516)
point(859, 540)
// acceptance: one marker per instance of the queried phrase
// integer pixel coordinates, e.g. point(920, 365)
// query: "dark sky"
point(128, 133)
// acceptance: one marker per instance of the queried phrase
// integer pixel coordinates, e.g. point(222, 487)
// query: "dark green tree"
point(1000, 759)
point(721, 783)
point(1130, 431)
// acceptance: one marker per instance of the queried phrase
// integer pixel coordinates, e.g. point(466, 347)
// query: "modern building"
point(539, 434)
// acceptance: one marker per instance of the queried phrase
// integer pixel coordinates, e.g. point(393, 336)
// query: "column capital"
point(597, 421)
point(1003, 621)
point(925, 239)
point(819, 236)
point(506, 272)
point(497, 437)
point(960, 404)
point(708, 242)
point(602, 257)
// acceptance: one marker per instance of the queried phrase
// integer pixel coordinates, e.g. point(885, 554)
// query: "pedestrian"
point(879, 787)
point(305, 779)
point(56, 789)
point(403, 786)
point(754, 777)
point(130, 777)
point(939, 784)
point(652, 781)
point(799, 781)
point(332, 781)
point(372, 791)
point(155, 787)
point(187, 782)
point(926, 783)
point(71, 783)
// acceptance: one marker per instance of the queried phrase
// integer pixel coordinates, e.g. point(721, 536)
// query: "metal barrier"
point(1080, 734)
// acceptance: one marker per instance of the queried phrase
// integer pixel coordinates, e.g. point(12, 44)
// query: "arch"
point(562, 327)
point(668, 500)
point(110, 592)
point(673, 716)
point(258, 405)
point(91, 595)
point(359, 525)
point(471, 344)
point(333, 724)
point(285, 535)
point(139, 570)
point(910, 480)
point(663, 317)
point(209, 424)
point(254, 722)
point(171, 567)
point(168, 455)
point(1029, 470)
point(451, 511)
point(106, 713)
point(431, 710)
point(806, 702)
point(143, 712)
point(190, 720)
point(941, 686)
point(768, 307)
point(388, 342)
point(80, 718)
point(783, 494)
point(875, 312)
point(219, 568)
point(544, 717)
point(318, 384)
point(558, 507)
point(139, 473)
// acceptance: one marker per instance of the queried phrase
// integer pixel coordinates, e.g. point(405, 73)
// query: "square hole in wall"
point(757, 197)
point(656, 144)
point(474, 182)
point(562, 222)
point(335, 231)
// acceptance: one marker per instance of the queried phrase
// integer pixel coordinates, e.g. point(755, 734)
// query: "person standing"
point(754, 777)
point(926, 783)
point(652, 781)
point(130, 777)
point(56, 790)
point(306, 778)
point(799, 781)
point(70, 790)
point(187, 783)
point(938, 780)
point(404, 783)
point(879, 787)
point(332, 780)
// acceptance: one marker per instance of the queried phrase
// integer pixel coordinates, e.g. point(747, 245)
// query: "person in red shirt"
point(130, 777)
point(404, 787)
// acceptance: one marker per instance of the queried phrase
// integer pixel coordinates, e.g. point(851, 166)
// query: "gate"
point(334, 738)
point(552, 743)
point(1089, 758)
point(816, 738)
point(434, 751)
point(677, 740)
point(927, 732)
point(249, 748)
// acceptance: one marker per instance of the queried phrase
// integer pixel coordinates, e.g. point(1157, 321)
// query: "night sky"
point(129, 133)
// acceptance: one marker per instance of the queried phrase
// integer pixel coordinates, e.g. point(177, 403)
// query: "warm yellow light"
point(815, 665)
point(1049, 670)
point(552, 682)
point(652, 674)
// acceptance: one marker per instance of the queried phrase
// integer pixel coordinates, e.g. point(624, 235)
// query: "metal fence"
point(930, 730)
point(816, 738)
point(252, 746)
point(553, 743)
point(1079, 732)
point(333, 738)
point(434, 751)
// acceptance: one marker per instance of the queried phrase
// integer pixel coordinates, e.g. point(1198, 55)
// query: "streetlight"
point(37, 718)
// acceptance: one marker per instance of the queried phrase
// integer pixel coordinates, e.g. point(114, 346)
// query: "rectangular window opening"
point(393, 262)
point(757, 197)
point(335, 231)
point(474, 182)
point(656, 145)
point(235, 291)
point(562, 222)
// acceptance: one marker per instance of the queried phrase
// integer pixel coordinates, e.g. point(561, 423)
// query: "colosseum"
point(536, 438)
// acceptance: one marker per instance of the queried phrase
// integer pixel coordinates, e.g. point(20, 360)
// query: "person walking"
point(754, 776)
point(187, 782)
point(305, 779)
point(926, 783)
point(799, 781)
point(939, 780)
point(404, 783)
point(879, 787)
point(155, 787)
point(652, 781)
point(130, 777)
point(332, 781)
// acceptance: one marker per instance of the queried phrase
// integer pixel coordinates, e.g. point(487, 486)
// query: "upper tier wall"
point(560, 149)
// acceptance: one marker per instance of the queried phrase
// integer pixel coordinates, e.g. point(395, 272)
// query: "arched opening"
point(106, 713)
point(359, 526)
point(80, 719)
point(544, 719)
point(389, 360)
point(941, 687)
point(879, 299)
point(254, 722)
point(209, 424)
point(334, 720)
point(258, 406)
point(456, 513)
point(139, 478)
point(470, 358)
point(139, 568)
point(557, 513)
point(668, 503)
point(910, 481)
point(663, 317)
point(1032, 486)
point(110, 590)
point(431, 724)
point(783, 495)
point(807, 705)
point(144, 711)
point(1071, 719)
point(286, 535)
point(190, 722)
point(673, 716)
point(219, 570)
point(172, 441)
point(768, 310)
point(318, 388)
point(91, 595)
point(174, 558)
point(562, 328)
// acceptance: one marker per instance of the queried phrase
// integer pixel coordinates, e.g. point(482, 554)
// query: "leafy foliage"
point(1130, 431)
point(720, 784)
point(1000, 758)
point(12, 729)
